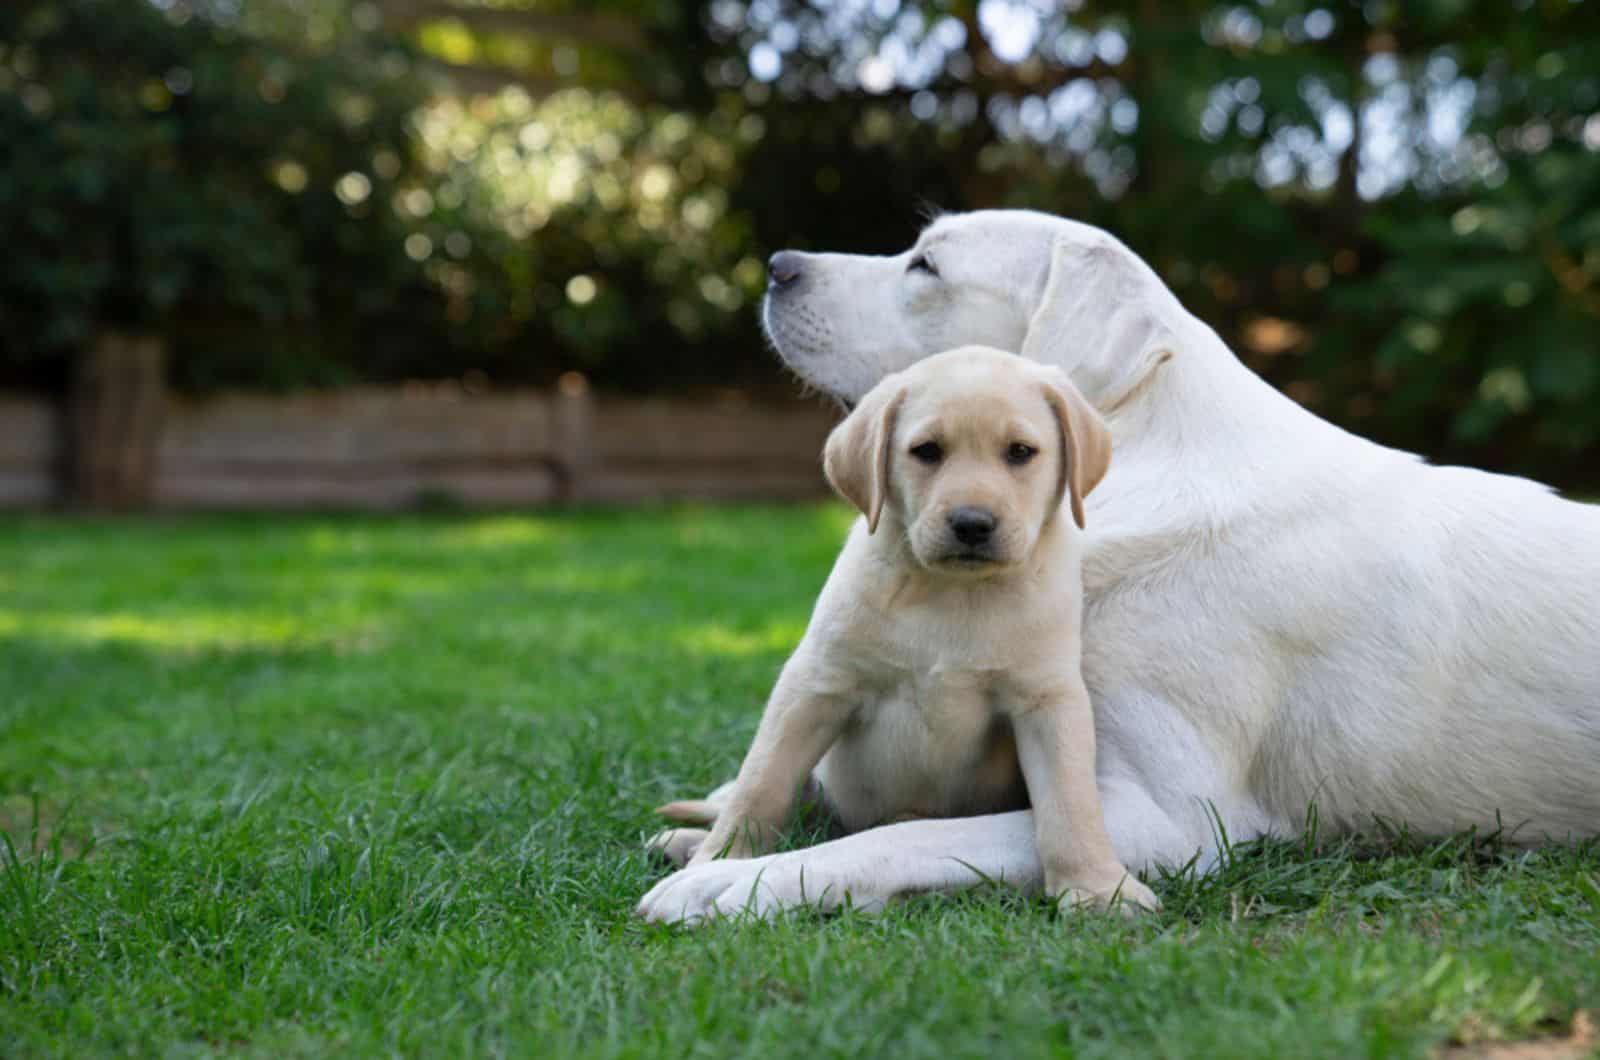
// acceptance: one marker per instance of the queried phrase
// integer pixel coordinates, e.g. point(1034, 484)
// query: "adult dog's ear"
point(856, 458)
point(1085, 442)
point(1100, 316)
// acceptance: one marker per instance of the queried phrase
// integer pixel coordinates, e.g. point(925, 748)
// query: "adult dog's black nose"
point(783, 268)
point(972, 526)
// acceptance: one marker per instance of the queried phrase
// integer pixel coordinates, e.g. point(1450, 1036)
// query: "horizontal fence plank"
point(28, 489)
point(30, 432)
point(365, 425)
point(663, 431)
point(391, 490)
point(30, 452)
point(396, 447)
point(689, 483)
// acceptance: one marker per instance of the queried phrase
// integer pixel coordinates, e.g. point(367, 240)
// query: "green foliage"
point(617, 244)
point(1473, 321)
point(364, 787)
point(174, 173)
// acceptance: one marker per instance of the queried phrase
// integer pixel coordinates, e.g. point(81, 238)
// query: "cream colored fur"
point(1277, 613)
point(940, 673)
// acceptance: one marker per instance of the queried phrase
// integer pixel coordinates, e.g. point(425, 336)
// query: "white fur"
point(1277, 613)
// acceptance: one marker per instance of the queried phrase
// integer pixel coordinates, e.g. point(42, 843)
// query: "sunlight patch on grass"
point(715, 639)
point(499, 532)
point(206, 629)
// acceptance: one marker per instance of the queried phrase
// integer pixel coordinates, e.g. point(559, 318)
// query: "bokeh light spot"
point(581, 289)
point(353, 188)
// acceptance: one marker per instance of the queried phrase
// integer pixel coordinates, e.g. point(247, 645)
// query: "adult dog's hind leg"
point(678, 845)
point(704, 812)
point(698, 811)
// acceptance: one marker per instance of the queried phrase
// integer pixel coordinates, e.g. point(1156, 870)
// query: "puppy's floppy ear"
point(1085, 442)
point(856, 458)
point(1103, 314)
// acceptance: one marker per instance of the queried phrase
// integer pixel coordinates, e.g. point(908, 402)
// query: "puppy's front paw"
point(1126, 895)
point(677, 845)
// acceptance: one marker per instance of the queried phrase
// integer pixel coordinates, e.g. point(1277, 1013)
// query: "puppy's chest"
point(947, 671)
point(929, 647)
point(936, 707)
point(928, 744)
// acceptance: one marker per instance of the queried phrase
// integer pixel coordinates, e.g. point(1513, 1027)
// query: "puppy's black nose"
point(972, 526)
point(783, 268)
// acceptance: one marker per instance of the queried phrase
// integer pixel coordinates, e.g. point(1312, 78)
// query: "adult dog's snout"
point(972, 526)
point(784, 268)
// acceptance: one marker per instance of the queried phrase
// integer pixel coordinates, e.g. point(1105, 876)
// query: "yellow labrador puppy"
point(942, 658)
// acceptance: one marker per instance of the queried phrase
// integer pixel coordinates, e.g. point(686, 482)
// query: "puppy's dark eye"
point(922, 263)
point(928, 452)
point(1019, 453)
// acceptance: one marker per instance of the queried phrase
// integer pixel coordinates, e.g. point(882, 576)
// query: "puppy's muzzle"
point(973, 530)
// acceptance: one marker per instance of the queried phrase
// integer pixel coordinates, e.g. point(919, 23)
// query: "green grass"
point(331, 786)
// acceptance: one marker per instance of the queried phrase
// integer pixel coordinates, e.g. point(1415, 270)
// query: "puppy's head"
point(971, 453)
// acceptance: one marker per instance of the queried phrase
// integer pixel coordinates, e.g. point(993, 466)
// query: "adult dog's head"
point(1054, 290)
point(973, 451)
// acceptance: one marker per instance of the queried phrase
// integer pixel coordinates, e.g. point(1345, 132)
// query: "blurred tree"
point(177, 177)
point(1389, 210)
point(544, 48)
point(170, 173)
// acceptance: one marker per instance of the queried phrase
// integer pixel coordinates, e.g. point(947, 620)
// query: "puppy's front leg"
point(1055, 746)
point(807, 710)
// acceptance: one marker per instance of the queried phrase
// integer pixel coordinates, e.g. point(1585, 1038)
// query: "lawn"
point(343, 786)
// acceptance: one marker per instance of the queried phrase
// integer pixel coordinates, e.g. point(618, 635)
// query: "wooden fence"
point(392, 448)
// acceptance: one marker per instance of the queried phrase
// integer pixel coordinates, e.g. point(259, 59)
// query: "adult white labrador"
point(1278, 614)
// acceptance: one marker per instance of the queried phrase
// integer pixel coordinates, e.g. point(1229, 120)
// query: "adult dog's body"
point(1278, 614)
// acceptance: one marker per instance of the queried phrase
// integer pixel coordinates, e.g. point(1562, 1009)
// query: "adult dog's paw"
point(760, 887)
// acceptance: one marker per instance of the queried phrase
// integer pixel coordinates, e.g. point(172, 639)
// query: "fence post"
point(115, 413)
point(572, 439)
